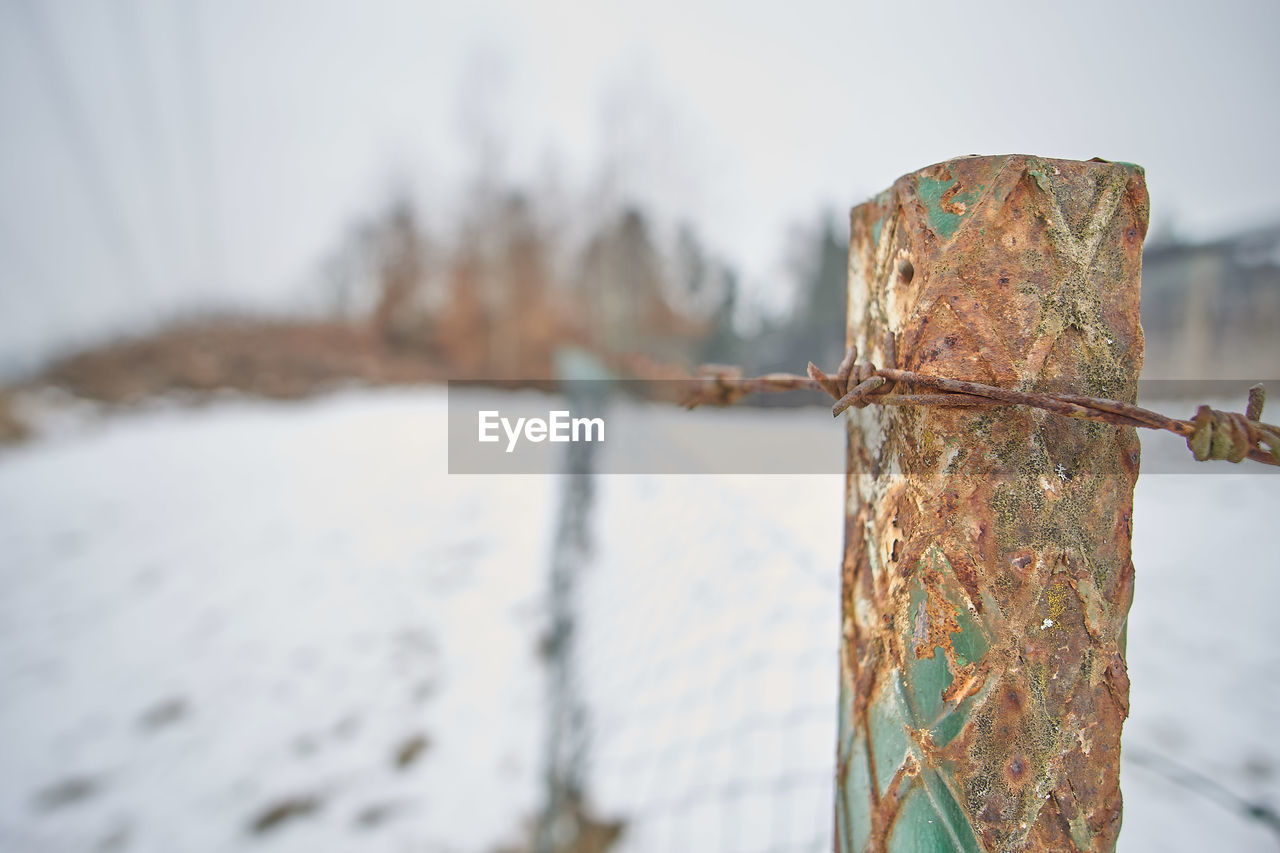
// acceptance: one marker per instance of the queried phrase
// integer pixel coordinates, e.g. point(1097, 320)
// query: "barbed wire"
point(1210, 433)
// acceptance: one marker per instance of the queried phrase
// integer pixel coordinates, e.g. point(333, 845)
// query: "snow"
point(208, 613)
point(310, 586)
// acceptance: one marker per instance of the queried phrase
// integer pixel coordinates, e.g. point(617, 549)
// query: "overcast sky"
point(158, 154)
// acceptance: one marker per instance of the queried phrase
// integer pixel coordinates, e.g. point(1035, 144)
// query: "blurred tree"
point(380, 271)
point(693, 270)
point(620, 291)
point(814, 330)
point(526, 326)
point(723, 345)
point(817, 332)
point(704, 291)
point(504, 304)
point(462, 327)
point(401, 251)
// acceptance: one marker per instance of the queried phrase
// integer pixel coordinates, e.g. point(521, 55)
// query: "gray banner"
point(637, 427)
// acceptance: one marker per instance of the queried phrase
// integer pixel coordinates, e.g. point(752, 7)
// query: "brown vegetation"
point(12, 428)
point(497, 302)
point(270, 359)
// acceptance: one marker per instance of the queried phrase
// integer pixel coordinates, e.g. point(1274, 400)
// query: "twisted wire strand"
point(1210, 434)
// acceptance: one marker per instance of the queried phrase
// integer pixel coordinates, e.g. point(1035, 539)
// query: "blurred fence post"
point(987, 573)
point(565, 824)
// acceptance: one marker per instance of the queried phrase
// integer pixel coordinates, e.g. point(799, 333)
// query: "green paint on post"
point(855, 812)
point(889, 739)
point(1041, 179)
point(931, 191)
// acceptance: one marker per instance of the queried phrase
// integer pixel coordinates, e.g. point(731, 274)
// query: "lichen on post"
point(987, 573)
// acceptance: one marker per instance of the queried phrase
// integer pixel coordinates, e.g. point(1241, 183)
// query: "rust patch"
point(936, 621)
point(1017, 770)
point(968, 680)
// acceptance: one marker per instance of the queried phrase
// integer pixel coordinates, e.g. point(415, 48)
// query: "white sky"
point(158, 155)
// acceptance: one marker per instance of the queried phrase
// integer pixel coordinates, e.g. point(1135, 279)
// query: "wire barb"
point(1257, 397)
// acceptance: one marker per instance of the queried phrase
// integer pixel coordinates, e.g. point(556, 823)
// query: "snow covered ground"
point(283, 627)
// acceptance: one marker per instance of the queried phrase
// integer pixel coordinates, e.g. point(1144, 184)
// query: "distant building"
point(1212, 310)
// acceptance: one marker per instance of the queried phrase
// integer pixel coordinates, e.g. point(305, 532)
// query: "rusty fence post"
point(987, 573)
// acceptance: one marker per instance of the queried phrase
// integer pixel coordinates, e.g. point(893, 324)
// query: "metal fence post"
point(987, 573)
point(566, 824)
